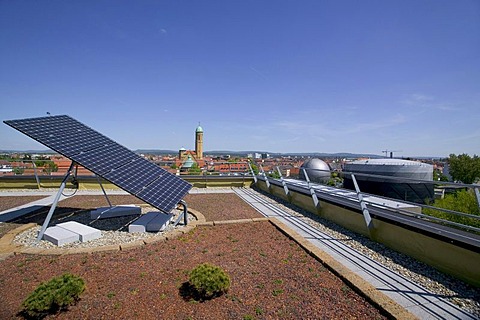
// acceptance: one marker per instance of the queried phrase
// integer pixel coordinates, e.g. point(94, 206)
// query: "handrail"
point(416, 215)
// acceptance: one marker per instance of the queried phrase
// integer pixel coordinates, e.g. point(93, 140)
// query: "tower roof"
point(199, 129)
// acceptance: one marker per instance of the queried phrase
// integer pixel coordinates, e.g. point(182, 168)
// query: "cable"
point(75, 187)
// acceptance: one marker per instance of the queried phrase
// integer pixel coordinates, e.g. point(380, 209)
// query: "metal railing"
point(365, 201)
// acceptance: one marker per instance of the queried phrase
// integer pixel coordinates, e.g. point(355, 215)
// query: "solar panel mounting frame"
point(162, 190)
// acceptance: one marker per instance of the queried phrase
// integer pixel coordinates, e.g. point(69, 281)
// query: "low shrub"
point(52, 296)
point(209, 281)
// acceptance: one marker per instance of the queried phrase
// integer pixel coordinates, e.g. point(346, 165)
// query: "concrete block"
point(159, 222)
point(60, 236)
point(140, 225)
point(86, 233)
point(117, 211)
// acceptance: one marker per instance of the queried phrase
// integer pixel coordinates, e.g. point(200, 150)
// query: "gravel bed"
point(114, 231)
point(456, 291)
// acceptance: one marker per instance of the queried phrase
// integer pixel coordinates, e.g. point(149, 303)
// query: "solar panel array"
point(106, 158)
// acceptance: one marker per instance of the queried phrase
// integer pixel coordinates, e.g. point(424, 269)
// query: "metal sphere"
point(317, 170)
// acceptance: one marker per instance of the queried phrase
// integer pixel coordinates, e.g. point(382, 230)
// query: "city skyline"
point(275, 76)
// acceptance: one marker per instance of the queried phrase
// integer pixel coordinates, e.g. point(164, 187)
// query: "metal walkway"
point(414, 298)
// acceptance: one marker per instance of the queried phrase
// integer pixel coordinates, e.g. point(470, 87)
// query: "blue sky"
point(279, 76)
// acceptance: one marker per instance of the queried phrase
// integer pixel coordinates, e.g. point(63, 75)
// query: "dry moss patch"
point(271, 277)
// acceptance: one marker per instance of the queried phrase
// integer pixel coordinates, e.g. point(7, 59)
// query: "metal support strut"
point(265, 176)
point(477, 193)
point(184, 214)
point(366, 213)
point(55, 202)
point(285, 188)
point(253, 173)
point(312, 191)
point(103, 190)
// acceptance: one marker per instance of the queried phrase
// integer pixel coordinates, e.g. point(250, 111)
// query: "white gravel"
point(114, 231)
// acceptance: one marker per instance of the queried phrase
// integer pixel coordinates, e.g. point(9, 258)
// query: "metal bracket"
point(285, 188)
point(312, 191)
point(366, 213)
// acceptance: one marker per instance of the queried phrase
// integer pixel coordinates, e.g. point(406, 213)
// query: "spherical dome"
point(199, 129)
point(317, 170)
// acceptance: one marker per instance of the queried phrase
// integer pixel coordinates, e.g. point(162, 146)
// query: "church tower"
point(199, 142)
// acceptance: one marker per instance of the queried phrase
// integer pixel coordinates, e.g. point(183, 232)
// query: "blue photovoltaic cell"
point(106, 158)
point(136, 176)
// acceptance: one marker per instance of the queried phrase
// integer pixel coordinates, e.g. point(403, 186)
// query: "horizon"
point(167, 151)
point(279, 76)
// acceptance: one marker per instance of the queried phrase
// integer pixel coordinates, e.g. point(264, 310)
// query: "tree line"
point(464, 168)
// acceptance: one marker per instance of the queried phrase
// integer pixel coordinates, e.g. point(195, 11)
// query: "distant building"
point(199, 142)
point(187, 158)
point(405, 186)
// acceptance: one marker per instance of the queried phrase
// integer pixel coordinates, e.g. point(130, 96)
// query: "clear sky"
point(279, 76)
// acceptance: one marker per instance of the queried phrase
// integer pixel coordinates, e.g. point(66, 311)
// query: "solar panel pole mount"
point(55, 202)
point(106, 159)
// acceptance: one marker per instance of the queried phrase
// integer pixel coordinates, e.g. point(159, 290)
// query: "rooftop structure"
point(317, 170)
point(394, 188)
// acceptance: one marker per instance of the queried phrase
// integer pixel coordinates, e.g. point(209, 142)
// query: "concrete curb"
point(239, 221)
point(391, 308)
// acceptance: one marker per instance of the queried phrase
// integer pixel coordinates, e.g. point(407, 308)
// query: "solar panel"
point(106, 158)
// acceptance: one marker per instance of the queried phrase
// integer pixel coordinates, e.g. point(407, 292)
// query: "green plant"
point(258, 311)
point(209, 280)
point(277, 292)
point(345, 289)
point(56, 294)
point(463, 201)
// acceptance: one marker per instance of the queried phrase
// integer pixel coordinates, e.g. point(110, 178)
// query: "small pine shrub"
point(56, 294)
point(209, 281)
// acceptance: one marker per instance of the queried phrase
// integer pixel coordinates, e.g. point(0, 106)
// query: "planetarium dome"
point(317, 170)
